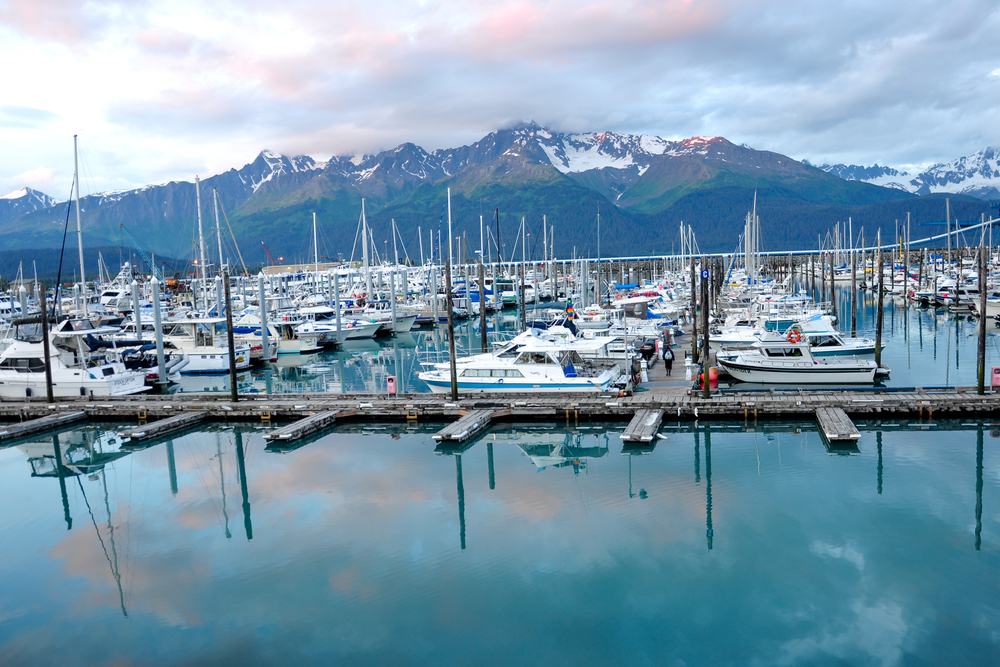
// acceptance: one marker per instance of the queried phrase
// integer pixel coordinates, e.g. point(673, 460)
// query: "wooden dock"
point(169, 425)
point(746, 406)
point(11, 431)
point(643, 427)
point(469, 425)
point(836, 426)
point(308, 425)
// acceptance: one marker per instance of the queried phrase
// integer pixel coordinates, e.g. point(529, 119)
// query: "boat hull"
point(800, 372)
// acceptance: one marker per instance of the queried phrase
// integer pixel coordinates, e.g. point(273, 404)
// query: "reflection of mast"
point(62, 482)
point(461, 498)
point(222, 478)
point(979, 486)
point(172, 467)
point(111, 538)
point(709, 533)
point(489, 460)
point(642, 492)
point(878, 447)
point(243, 484)
point(697, 459)
point(112, 565)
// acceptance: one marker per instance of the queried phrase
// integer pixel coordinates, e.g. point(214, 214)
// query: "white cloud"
point(161, 91)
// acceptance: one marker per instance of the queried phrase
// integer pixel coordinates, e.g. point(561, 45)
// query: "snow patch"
point(16, 194)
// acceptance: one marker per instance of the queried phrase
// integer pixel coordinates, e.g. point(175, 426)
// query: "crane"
point(269, 255)
point(142, 253)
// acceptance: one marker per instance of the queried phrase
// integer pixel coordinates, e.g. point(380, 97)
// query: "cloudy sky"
point(164, 90)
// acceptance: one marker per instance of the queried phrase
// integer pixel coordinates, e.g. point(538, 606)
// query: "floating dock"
point(308, 425)
point(471, 424)
point(313, 412)
point(643, 427)
point(11, 431)
point(169, 425)
point(836, 426)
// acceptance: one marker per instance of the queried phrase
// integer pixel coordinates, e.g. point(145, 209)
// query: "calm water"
point(924, 348)
point(535, 545)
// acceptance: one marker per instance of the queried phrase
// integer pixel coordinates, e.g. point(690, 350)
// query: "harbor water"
point(924, 347)
point(533, 545)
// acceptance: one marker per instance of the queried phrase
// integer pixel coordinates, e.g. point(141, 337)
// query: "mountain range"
point(976, 175)
point(642, 186)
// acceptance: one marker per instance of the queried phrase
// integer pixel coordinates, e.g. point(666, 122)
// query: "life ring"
point(794, 336)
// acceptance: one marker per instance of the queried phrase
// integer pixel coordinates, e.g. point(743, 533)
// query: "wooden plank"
point(11, 431)
point(308, 425)
point(836, 426)
point(168, 425)
point(467, 426)
point(643, 426)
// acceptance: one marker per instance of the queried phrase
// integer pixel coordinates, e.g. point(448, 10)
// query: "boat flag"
point(569, 309)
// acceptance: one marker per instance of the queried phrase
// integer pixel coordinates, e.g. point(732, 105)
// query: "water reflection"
point(385, 541)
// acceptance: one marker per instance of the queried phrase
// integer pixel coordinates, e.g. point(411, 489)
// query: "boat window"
point(532, 358)
point(506, 373)
point(783, 352)
point(824, 341)
point(24, 365)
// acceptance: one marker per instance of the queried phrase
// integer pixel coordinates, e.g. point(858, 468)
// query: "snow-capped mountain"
point(977, 175)
point(19, 202)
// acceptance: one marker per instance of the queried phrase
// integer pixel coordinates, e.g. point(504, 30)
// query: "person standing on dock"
point(668, 359)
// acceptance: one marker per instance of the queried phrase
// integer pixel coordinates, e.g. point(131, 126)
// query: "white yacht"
point(204, 343)
point(539, 366)
point(75, 372)
point(775, 359)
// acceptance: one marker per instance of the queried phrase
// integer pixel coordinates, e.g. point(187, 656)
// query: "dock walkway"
point(746, 406)
point(836, 426)
point(44, 423)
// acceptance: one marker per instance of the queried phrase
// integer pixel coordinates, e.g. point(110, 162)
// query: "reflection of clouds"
point(356, 556)
point(847, 552)
point(875, 635)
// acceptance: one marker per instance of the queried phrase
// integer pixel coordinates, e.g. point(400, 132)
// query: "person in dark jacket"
point(668, 359)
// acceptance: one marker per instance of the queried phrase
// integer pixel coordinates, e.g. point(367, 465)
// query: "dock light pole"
point(451, 331)
point(704, 318)
point(482, 302)
point(45, 346)
point(981, 361)
point(694, 315)
point(878, 314)
point(262, 307)
point(854, 293)
point(235, 390)
point(158, 335)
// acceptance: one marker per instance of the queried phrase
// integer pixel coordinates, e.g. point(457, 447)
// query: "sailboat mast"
point(218, 234)
point(201, 237)
point(451, 257)
point(79, 230)
point(364, 250)
point(315, 245)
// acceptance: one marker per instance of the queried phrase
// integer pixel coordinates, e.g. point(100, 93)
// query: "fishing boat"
point(776, 360)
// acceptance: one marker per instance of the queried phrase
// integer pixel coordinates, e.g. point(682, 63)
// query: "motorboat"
point(75, 371)
point(775, 359)
point(539, 366)
point(204, 343)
